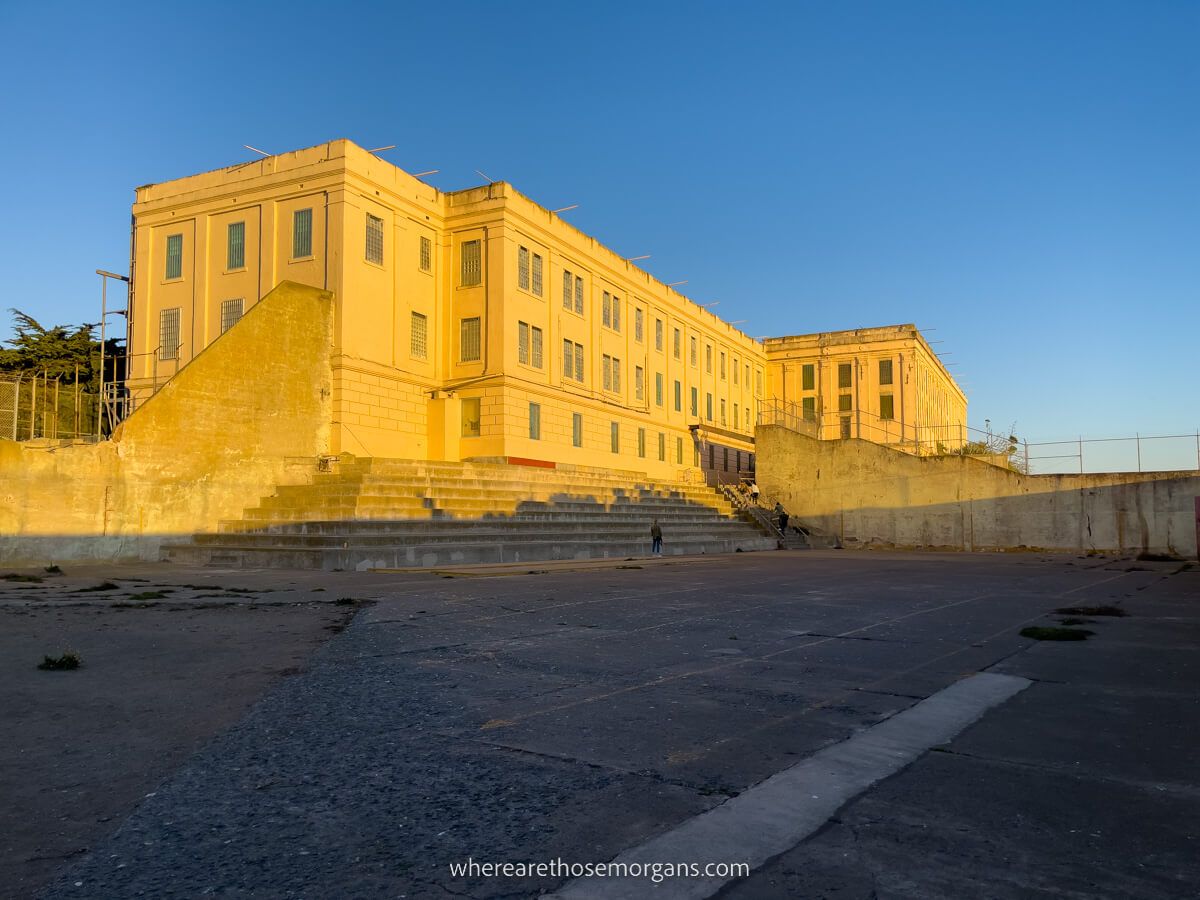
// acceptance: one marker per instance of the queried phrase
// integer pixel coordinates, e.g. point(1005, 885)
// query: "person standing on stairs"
point(783, 516)
point(655, 538)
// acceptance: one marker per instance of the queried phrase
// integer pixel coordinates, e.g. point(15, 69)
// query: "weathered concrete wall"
point(251, 411)
point(863, 491)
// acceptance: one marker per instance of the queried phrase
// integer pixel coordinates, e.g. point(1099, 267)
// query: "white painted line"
point(777, 814)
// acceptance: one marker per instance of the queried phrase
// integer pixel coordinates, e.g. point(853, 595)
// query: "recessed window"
point(737, 420)
point(722, 365)
point(658, 388)
point(695, 402)
point(577, 430)
point(639, 382)
point(807, 378)
point(579, 295)
point(470, 417)
point(536, 287)
point(235, 246)
point(616, 313)
point(845, 403)
point(885, 371)
point(614, 435)
point(468, 340)
point(418, 344)
point(568, 290)
point(231, 311)
point(174, 256)
point(470, 264)
point(168, 333)
point(708, 358)
point(523, 268)
point(638, 325)
point(708, 407)
point(642, 443)
point(535, 421)
point(529, 345)
point(694, 351)
point(677, 343)
point(658, 335)
point(662, 447)
point(606, 310)
point(573, 361)
point(809, 407)
point(426, 258)
point(844, 375)
point(302, 234)
point(679, 451)
point(374, 239)
point(886, 407)
point(723, 412)
point(735, 370)
point(678, 396)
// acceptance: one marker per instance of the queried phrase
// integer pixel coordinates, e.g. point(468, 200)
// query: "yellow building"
point(469, 325)
point(880, 384)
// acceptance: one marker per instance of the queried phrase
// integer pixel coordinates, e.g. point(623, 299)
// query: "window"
point(658, 388)
point(418, 341)
point(737, 420)
point(523, 268)
point(725, 458)
point(606, 310)
point(885, 371)
point(679, 451)
point(642, 443)
point(468, 340)
point(537, 274)
point(748, 378)
point(616, 366)
point(708, 358)
point(374, 240)
point(523, 342)
point(535, 421)
point(678, 396)
point(568, 296)
point(708, 406)
point(606, 369)
point(712, 456)
point(722, 412)
point(537, 348)
point(529, 345)
point(807, 379)
point(576, 430)
point(470, 417)
point(638, 326)
point(886, 407)
point(662, 447)
point(757, 380)
point(235, 246)
point(426, 260)
point(302, 234)
point(695, 402)
point(231, 311)
point(693, 351)
point(747, 418)
point(845, 403)
point(639, 382)
point(573, 361)
point(168, 333)
point(722, 365)
point(845, 427)
point(616, 303)
point(735, 371)
point(470, 264)
point(809, 406)
point(579, 295)
point(844, 375)
point(658, 335)
point(174, 256)
point(677, 344)
point(614, 434)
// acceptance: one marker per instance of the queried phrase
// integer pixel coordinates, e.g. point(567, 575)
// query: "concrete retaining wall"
point(866, 492)
point(252, 411)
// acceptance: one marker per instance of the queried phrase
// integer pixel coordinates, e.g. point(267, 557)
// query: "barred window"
point(693, 354)
point(679, 451)
point(418, 344)
point(807, 378)
point(537, 274)
point(642, 442)
point(606, 368)
point(168, 333)
point(374, 239)
point(568, 289)
point(678, 396)
point(576, 429)
point(470, 416)
point(722, 412)
point(614, 433)
point(579, 295)
point(639, 378)
point(523, 268)
point(468, 340)
point(695, 402)
point(722, 365)
point(887, 408)
point(735, 370)
point(708, 358)
point(845, 402)
point(536, 354)
point(235, 246)
point(302, 233)
point(231, 311)
point(579, 363)
point(844, 376)
point(616, 318)
point(708, 407)
point(885, 371)
point(606, 310)
point(616, 376)
point(638, 328)
point(535, 421)
point(737, 419)
point(678, 344)
point(658, 388)
point(568, 359)
point(523, 342)
point(471, 264)
point(658, 335)
point(662, 447)
point(426, 261)
point(174, 256)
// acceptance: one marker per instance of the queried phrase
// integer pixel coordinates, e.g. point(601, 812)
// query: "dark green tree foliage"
point(55, 351)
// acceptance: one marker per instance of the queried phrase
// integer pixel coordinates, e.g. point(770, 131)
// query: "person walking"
point(655, 539)
point(783, 516)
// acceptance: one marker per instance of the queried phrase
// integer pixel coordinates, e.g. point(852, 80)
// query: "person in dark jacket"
point(783, 516)
point(655, 538)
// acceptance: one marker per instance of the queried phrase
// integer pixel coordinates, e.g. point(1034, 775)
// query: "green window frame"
point(235, 246)
point(174, 256)
point(302, 233)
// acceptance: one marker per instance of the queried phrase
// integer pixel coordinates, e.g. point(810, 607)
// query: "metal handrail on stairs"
point(747, 506)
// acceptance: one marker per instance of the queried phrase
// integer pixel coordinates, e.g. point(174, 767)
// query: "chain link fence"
point(33, 407)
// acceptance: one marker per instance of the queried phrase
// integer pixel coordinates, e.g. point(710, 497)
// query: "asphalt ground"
point(574, 715)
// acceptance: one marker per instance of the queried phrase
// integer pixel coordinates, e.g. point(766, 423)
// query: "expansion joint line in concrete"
point(777, 814)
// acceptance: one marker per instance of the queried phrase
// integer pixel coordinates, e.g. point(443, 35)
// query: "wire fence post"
point(1081, 454)
point(1138, 438)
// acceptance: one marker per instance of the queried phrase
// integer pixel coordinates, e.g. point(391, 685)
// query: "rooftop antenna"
point(738, 322)
point(256, 150)
point(430, 172)
point(485, 176)
point(563, 209)
point(381, 149)
point(674, 283)
point(707, 305)
point(636, 258)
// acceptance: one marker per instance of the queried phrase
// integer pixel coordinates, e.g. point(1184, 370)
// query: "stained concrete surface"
point(574, 715)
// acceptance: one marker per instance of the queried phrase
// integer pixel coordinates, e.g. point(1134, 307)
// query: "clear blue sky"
point(1023, 177)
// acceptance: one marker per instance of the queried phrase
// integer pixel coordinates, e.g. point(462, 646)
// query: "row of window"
point(471, 426)
point(302, 234)
point(887, 406)
point(845, 375)
point(168, 326)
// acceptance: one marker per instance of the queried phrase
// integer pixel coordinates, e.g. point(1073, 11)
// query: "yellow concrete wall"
point(252, 411)
point(879, 496)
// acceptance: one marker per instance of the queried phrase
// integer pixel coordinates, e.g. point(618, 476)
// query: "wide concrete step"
point(554, 518)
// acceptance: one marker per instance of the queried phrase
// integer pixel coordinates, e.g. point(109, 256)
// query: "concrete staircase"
point(380, 513)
